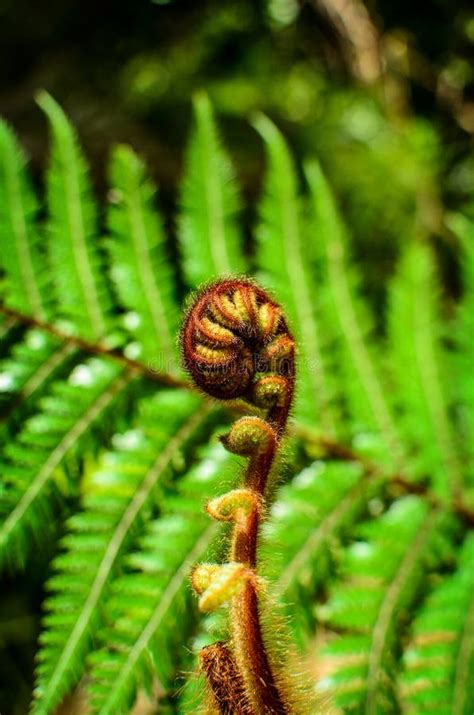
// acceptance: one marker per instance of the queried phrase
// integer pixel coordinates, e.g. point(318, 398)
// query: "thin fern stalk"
point(236, 342)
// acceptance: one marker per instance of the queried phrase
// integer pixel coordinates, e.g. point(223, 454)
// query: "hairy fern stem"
point(236, 343)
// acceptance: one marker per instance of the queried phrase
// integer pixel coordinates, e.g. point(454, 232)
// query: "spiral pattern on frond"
point(233, 333)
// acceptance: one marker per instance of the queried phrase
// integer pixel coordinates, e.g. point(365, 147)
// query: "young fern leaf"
point(438, 662)
point(419, 370)
point(284, 266)
point(26, 276)
point(141, 269)
point(121, 494)
point(368, 406)
point(55, 437)
point(81, 290)
point(209, 235)
point(383, 575)
point(236, 344)
point(147, 604)
point(309, 515)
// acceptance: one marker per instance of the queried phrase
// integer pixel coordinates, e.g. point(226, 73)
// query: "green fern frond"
point(150, 610)
point(439, 659)
point(51, 439)
point(382, 576)
point(285, 266)
point(141, 268)
point(363, 386)
point(462, 380)
point(81, 291)
point(209, 235)
point(120, 494)
point(308, 517)
point(419, 368)
point(26, 374)
point(21, 258)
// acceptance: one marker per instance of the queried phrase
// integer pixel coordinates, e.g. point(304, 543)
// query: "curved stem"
point(249, 646)
point(236, 343)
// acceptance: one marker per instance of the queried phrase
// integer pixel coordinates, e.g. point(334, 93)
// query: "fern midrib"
point(152, 294)
point(356, 346)
point(78, 240)
point(318, 537)
point(302, 303)
point(214, 203)
point(59, 453)
point(388, 606)
point(153, 623)
point(121, 530)
point(20, 232)
point(464, 663)
point(431, 386)
point(45, 370)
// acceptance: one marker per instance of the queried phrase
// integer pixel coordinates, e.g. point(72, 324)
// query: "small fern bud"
point(235, 505)
point(270, 390)
point(202, 576)
point(232, 331)
point(280, 350)
point(227, 581)
point(249, 435)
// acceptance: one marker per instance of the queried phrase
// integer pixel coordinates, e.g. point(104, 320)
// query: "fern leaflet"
point(208, 231)
point(81, 290)
point(24, 265)
point(27, 372)
point(48, 440)
point(463, 359)
point(140, 265)
point(286, 270)
point(382, 577)
point(147, 604)
point(120, 495)
point(418, 366)
point(439, 659)
point(363, 387)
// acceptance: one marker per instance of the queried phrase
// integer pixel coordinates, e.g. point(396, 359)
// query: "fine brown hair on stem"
point(236, 344)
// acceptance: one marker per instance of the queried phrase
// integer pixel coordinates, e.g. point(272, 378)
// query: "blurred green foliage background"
point(375, 90)
point(382, 93)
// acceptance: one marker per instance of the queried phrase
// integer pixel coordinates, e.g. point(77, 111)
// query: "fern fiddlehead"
point(236, 344)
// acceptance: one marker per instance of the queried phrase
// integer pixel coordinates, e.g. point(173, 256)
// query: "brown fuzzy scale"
point(236, 343)
point(225, 683)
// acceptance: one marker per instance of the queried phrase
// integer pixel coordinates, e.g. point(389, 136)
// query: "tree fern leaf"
point(148, 604)
point(120, 494)
point(141, 268)
point(382, 577)
point(439, 660)
point(309, 514)
point(46, 441)
point(80, 285)
point(27, 371)
point(363, 386)
point(285, 268)
point(462, 380)
point(417, 361)
point(208, 231)
point(21, 257)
